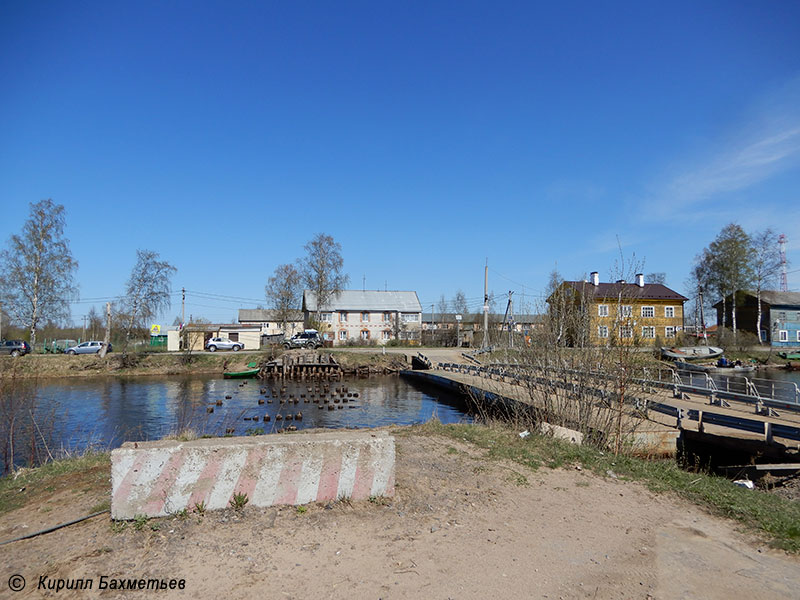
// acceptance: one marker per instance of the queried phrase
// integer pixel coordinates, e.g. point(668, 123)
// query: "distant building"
point(269, 322)
point(366, 315)
point(618, 312)
point(780, 315)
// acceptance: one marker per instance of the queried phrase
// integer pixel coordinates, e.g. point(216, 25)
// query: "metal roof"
point(649, 291)
point(371, 300)
point(770, 297)
point(265, 315)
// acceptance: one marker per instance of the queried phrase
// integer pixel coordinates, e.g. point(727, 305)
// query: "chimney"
point(620, 281)
point(640, 280)
point(595, 278)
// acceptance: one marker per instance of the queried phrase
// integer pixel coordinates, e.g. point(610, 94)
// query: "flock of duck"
point(321, 395)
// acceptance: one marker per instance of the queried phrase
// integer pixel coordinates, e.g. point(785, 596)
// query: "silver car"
point(219, 343)
point(86, 348)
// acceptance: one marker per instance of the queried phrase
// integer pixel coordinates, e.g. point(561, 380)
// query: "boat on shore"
point(691, 352)
point(728, 368)
point(789, 355)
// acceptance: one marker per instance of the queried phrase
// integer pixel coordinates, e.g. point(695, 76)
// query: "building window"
point(625, 310)
point(602, 310)
point(798, 335)
point(364, 334)
point(626, 332)
point(365, 317)
point(648, 311)
point(649, 332)
point(410, 317)
point(669, 332)
point(602, 331)
point(783, 335)
point(342, 335)
point(343, 317)
point(326, 317)
point(234, 337)
point(669, 312)
point(387, 335)
point(387, 317)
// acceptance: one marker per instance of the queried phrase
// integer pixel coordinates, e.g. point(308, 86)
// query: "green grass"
point(14, 492)
point(777, 518)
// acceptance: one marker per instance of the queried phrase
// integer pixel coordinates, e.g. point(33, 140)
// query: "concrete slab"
point(160, 478)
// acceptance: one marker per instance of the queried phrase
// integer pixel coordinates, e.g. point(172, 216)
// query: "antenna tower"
point(782, 244)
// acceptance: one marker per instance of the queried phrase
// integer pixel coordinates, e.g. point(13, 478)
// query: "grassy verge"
point(774, 517)
point(87, 471)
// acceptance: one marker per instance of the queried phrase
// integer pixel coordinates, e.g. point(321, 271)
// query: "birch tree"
point(766, 263)
point(147, 291)
point(321, 270)
point(460, 303)
point(283, 292)
point(37, 269)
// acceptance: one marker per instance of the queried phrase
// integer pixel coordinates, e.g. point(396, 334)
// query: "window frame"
point(667, 309)
point(783, 335)
point(667, 332)
point(602, 332)
point(651, 309)
point(625, 311)
point(648, 329)
point(602, 310)
point(626, 329)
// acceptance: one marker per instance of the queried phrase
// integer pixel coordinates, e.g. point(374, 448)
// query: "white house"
point(366, 315)
point(267, 320)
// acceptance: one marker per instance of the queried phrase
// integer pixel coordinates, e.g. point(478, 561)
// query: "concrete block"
point(561, 433)
point(160, 478)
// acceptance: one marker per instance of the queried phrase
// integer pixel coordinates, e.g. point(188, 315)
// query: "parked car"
point(15, 347)
point(219, 343)
point(308, 339)
point(91, 347)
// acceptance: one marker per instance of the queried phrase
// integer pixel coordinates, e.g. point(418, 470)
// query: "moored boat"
point(247, 374)
point(789, 355)
point(691, 352)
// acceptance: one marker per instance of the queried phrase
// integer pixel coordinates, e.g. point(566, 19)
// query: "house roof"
point(265, 315)
point(770, 297)
point(649, 291)
point(372, 300)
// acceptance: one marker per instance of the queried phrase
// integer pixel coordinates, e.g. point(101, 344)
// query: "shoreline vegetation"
point(769, 516)
point(368, 360)
point(120, 364)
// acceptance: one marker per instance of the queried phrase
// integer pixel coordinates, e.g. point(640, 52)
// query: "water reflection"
point(106, 412)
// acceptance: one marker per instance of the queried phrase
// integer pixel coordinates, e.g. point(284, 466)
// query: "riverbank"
point(543, 519)
point(46, 366)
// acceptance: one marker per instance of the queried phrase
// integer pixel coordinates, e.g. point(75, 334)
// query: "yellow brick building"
point(621, 312)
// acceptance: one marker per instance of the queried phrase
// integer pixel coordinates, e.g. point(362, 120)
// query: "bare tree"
point(147, 291)
point(321, 270)
point(443, 306)
point(460, 303)
point(283, 292)
point(36, 270)
point(766, 263)
point(656, 277)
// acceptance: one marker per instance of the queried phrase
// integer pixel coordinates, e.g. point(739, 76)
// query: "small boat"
point(420, 362)
point(789, 355)
point(249, 373)
point(740, 370)
point(682, 365)
point(691, 352)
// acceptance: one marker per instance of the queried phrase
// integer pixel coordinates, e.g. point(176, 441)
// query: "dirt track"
point(460, 527)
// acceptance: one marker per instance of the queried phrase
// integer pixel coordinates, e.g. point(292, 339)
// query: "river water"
point(105, 412)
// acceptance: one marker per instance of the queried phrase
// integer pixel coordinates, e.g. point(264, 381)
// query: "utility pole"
point(107, 338)
point(84, 328)
point(486, 306)
point(510, 319)
point(433, 324)
point(183, 306)
point(703, 317)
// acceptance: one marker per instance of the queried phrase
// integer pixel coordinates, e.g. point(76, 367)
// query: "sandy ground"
point(459, 526)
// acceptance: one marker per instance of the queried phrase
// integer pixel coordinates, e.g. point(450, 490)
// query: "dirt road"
point(460, 526)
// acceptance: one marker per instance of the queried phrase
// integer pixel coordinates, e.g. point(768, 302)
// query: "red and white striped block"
point(160, 478)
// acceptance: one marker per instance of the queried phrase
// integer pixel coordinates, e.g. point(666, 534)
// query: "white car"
point(219, 343)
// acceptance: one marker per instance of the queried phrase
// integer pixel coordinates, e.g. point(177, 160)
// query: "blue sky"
point(425, 137)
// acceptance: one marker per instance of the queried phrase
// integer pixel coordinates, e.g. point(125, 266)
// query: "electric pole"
point(183, 306)
point(510, 319)
point(703, 317)
point(84, 328)
point(107, 338)
point(486, 306)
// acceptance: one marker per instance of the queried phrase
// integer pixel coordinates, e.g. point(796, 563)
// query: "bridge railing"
point(777, 393)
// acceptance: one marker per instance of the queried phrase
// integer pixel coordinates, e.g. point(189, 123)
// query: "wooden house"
point(780, 315)
point(619, 312)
